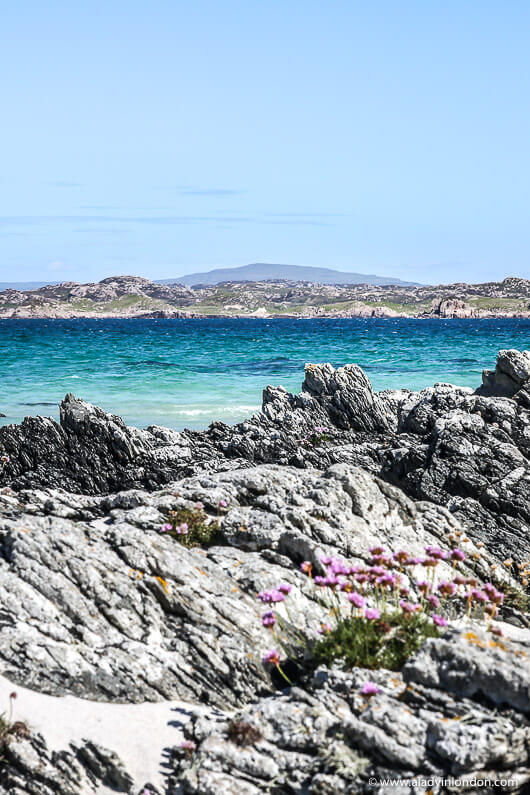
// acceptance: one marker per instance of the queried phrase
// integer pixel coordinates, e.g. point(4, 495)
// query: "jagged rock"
point(471, 664)
point(94, 452)
point(511, 374)
point(333, 739)
point(97, 602)
point(463, 450)
point(29, 767)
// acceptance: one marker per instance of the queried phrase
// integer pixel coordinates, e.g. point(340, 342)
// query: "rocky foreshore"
point(99, 607)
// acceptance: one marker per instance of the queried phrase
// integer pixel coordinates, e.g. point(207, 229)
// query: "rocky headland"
point(99, 606)
point(136, 297)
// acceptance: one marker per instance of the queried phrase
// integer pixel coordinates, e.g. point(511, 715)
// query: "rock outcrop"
point(416, 733)
point(96, 601)
point(451, 308)
point(448, 445)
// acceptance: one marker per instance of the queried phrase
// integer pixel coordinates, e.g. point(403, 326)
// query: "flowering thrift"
point(382, 611)
point(370, 689)
point(273, 658)
point(191, 526)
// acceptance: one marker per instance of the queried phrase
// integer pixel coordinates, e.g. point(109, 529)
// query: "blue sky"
point(167, 137)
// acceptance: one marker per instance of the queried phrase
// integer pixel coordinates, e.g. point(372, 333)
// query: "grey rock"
point(97, 602)
point(333, 739)
point(510, 375)
point(472, 664)
point(29, 767)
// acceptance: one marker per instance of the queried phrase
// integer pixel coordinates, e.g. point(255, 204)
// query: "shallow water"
point(186, 373)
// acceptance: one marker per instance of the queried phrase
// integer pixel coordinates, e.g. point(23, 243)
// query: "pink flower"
point(285, 588)
point(377, 551)
point(306, 566)
point(370, 689)
point(199, 506)
point(376, 571)
point(447, 588)
point(407, 607)
point(223, 503)
point(430, 562)
point(372, 614)
point(324, 629)
point(330, 581)
point(166, 527)
point(439, 620)
point(423, 586)
point(268, 619)
point(436, 553)
point(356, 599)
point(457, 554)
point(338, 566)
point(433, 601)
point(188, 745)
point(272, 657)
point(386, 580)
point(497, 597)
point(271, 596)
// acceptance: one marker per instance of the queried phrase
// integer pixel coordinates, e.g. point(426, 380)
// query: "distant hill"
point(259, 271)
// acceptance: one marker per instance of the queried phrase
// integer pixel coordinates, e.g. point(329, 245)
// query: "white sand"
point(138, 733)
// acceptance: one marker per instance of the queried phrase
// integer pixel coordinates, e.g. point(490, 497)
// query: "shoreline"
point(156, 316)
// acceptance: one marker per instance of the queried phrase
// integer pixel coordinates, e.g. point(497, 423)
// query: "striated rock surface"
point(97, 602)
point(413, 734)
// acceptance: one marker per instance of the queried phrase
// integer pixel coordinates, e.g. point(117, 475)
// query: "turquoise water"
point(186, 373)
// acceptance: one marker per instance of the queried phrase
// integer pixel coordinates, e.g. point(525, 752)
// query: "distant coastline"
point(272, 299)
point(201, 318)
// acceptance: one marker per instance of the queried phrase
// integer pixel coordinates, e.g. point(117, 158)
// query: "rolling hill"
point(259, 271)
